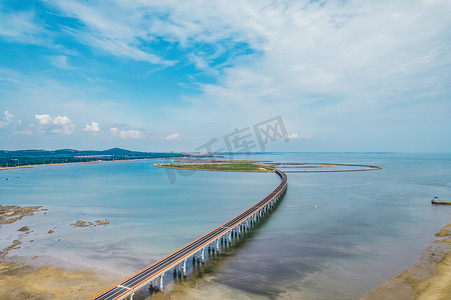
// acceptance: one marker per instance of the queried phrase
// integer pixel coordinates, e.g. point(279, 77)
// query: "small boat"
point(436, 201)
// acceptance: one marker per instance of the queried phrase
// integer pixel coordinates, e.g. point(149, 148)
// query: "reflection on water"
point(335, 235)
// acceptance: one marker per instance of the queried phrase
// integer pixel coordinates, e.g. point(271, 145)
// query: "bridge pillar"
point(131, 296)
point(203, 255)
point(161, 282)
point(217, 244)
point(184, 268)
point(230, 236)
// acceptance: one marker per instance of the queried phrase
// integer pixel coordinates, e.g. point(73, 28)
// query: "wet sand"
point(19, 280)
point(33, 277)
point(429, 279)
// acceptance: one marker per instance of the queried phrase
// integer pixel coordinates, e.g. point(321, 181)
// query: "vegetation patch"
point(220, 165)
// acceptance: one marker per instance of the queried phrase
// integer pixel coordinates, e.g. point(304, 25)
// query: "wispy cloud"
point(149, 31)
point(10, 119)
point(172, 137)
point(296, 136)
point(21, 27)
point(110, 29)
point(331, 60)
point(60, 61)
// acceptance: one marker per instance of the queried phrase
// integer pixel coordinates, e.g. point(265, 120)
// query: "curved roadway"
point(127, 287)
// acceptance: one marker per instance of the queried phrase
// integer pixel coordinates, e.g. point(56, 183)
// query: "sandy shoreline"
point(33, 277)
point(21, 280)
point(429, 278)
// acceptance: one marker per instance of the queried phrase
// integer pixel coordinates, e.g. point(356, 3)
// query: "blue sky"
point(173, 75)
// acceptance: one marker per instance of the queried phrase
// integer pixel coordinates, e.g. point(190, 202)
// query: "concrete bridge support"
point(161, 282)
point(184, 268)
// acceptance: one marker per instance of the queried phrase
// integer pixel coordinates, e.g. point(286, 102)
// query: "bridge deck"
point(126, 287)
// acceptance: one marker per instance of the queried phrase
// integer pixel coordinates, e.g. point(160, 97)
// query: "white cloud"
point(320, 64)
point(135, 29)
point(296, 136)
point(172, 137)
point(133, 134)
point(65, 125)
point(10, 119)
point(21, 27)
point(44, 119)
point(121, 48)
point(9, 116)
point(94, 128)
point(59, 124)
point(112, 29)
point(60, 61)
point(25, 132)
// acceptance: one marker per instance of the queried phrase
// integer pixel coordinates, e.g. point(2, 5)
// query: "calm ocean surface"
point(334, 235)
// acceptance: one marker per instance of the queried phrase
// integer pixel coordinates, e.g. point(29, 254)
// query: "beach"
point(20, 280)
point(429, 278)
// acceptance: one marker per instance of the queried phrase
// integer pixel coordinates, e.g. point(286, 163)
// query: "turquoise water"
point(334, 235)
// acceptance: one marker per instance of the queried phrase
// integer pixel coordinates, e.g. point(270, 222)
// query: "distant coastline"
point(72, 163)
point(38, 158)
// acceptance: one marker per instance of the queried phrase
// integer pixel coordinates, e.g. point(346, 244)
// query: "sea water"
point(334, 235)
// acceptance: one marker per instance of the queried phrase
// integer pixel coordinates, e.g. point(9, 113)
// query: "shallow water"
point(334, 235)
